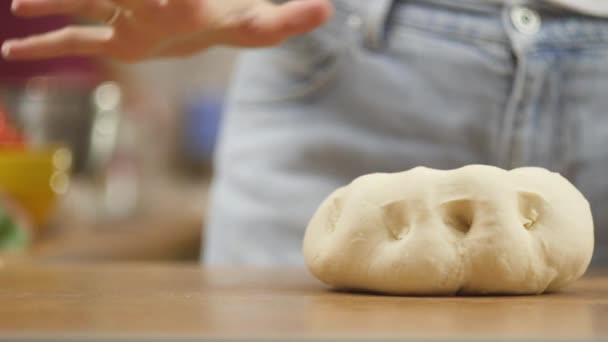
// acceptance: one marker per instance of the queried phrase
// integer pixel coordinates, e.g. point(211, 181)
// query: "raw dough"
point(474, 230)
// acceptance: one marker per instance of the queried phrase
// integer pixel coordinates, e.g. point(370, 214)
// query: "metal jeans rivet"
point(525, 20)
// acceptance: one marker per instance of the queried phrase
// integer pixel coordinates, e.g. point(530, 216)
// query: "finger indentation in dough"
point(334, 212)
point(397, 219)
point(531, 207)
point(458, 214)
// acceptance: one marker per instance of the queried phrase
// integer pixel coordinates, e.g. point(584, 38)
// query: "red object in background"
point(10, 137)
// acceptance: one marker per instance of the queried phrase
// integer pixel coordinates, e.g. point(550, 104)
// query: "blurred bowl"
point(35, 178)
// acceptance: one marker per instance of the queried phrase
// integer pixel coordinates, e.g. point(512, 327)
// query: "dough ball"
point(473, 230)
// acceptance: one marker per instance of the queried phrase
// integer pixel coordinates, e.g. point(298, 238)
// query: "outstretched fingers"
point(96, 10)
point(69, 41)
point(140, 29)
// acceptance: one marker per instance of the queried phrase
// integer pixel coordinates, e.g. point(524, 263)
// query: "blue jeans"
point(390, 85)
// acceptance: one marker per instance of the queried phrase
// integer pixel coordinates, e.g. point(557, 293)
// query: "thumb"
point(299, 16)
point(271, 24)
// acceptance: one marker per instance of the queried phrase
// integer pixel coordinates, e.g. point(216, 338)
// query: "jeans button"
point(525, 20)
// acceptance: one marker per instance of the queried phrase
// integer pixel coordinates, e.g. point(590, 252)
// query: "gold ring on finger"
point(114, 18)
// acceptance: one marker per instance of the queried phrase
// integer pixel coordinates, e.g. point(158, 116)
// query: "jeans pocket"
point(297, 70)
point(443, 83)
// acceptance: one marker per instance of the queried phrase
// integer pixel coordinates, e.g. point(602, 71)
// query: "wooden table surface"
point(187, 301)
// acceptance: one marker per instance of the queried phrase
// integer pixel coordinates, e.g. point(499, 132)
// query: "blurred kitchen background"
point(102, 161)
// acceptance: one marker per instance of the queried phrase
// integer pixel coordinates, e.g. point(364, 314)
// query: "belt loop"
point(377, 15)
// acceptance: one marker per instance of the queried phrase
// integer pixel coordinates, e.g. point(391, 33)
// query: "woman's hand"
point(135, 30)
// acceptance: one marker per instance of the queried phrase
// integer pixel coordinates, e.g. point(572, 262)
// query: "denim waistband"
point(480, 6)
point(478, 19)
